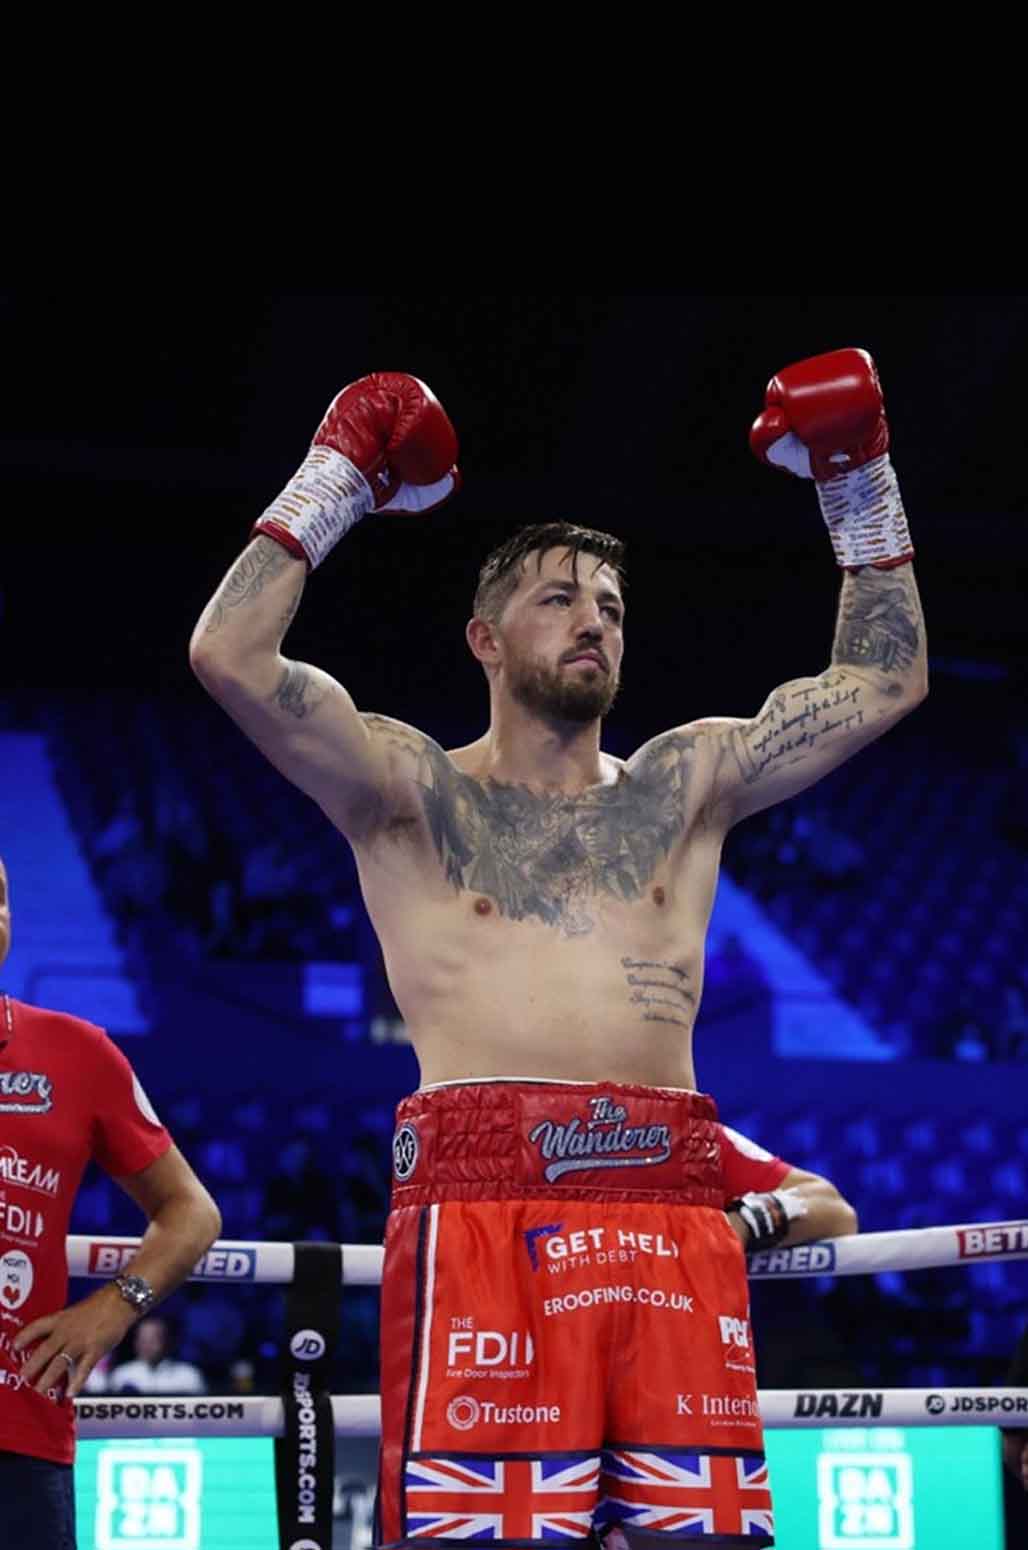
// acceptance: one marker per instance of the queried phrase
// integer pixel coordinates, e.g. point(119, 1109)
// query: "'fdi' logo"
point(490, 1348)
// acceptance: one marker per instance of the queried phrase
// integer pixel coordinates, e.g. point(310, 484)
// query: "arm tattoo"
point(795, 720)
point(553, 857)
point(255, 567)
point(879, 630)
point(298, 691)
point(397, 737)
point(879, 623)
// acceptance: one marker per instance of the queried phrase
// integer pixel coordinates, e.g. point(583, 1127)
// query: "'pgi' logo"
point(734, 1331)
point(405, 1152)
point(735, 1337)
point(463, 1413)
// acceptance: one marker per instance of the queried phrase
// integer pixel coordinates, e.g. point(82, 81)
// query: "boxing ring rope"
point(867, 1253)
point(359, 1415)
point(99, 1257)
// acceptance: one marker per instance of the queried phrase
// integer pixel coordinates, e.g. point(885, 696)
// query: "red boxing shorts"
point(566, 1343)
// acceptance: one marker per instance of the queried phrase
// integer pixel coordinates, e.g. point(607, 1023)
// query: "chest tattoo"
point(553, 858)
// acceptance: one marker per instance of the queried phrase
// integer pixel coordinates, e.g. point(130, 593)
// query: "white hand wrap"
point(325, 498)
point(793, 1203)
point(864, 513)
point(768, 1216)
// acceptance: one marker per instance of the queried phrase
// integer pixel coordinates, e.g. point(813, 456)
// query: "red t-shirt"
point(67, 1095)
point(746, 1166)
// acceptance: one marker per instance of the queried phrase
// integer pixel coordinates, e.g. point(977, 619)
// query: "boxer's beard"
point(559, 695)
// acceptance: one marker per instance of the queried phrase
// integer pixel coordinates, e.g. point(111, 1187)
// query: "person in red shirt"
point(768, 1198)
point(68, 1096)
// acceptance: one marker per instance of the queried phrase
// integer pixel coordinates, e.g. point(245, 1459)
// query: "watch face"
point(135, 1290)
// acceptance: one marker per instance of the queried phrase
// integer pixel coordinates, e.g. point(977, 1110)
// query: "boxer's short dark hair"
point(501, 571)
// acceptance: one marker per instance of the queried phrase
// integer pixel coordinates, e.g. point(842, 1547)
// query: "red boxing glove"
point(824, 419)
point(385, 444)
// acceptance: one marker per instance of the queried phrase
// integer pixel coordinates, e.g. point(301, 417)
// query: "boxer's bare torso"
point(542, 907)
point(537, 933)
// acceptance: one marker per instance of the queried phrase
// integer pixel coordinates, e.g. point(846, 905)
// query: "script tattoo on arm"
point(662, 988)
point(795, 720)
point(551, 857)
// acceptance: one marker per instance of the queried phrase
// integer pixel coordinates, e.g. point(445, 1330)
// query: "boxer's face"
point(561, 635)
point(5, 915)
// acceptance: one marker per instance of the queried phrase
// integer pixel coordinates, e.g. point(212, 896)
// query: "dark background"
point(146, 430)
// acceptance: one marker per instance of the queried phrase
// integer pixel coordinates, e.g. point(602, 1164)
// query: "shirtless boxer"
point(566, 1341)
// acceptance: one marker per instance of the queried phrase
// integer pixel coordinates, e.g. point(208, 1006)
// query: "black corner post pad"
point(305, 1454)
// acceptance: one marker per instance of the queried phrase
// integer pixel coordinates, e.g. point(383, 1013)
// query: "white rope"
point(359, 1415)
point(227, 1260)
point(866, 1253)
point(894, 1407)
point(918, 1248)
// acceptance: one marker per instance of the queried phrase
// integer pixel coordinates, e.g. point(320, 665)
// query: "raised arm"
point(806, 728)
point(385, 444)
point(825, 420)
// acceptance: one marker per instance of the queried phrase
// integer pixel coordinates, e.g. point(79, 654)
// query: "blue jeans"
point(37, 1504)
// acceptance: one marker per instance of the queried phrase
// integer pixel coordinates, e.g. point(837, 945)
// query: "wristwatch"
point(139, 1294)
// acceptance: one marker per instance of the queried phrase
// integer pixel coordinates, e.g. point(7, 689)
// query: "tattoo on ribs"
point(553, 857)
point(879, 625)
point(255, 567)
point(662, 989)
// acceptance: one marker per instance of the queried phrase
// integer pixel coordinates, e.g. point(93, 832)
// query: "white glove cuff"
point(325, 498)
point(864, 513)
point(793, 1204)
